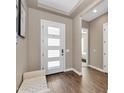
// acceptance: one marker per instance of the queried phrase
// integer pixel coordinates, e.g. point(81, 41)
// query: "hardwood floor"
point(92, 81)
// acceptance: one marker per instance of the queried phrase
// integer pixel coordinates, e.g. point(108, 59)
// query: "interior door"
point(85, 46)
point(105, 47)
point(54, 53)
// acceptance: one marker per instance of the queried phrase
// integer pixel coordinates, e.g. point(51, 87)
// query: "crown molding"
point(60, 11)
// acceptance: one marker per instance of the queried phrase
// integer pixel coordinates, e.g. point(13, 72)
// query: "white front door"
point(105, 47)
point(54, 53)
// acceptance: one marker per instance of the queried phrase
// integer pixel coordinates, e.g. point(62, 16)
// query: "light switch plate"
point(67, 50)
point(94, 50)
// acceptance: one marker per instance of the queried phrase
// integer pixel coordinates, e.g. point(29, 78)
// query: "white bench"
point(34, 82)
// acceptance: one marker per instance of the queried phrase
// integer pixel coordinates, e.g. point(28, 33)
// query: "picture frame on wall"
point(21, 19)
point(17, 21)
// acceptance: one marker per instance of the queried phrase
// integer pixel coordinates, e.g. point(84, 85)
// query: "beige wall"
point(21, 55)
point(96, 41)
point(34, 37)
point(77, 26)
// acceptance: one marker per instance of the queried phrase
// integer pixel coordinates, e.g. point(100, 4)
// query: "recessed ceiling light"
point(95, 11)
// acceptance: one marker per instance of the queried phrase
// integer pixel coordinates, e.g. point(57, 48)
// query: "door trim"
point(42, 44)
point(106, 71)
point(87, 45)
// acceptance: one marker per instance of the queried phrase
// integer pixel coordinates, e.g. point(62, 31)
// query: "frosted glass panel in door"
point(53, 31)
point(53, 53)
point(52, 64)
point(53, 42)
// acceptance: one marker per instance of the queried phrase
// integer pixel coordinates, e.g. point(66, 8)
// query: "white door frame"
point(104, 54)
point(87, 61)
point(43, 46)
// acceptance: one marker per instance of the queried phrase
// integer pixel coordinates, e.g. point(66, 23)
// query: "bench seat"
point(34, 82)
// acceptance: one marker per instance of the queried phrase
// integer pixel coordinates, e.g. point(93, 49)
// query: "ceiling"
point(68, 8)
point(100, 9)
point(61, 5)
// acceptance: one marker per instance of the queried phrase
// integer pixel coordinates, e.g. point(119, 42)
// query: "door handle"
point(62, 52)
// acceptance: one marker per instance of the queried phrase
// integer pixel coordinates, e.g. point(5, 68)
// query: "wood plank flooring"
point(92, 81)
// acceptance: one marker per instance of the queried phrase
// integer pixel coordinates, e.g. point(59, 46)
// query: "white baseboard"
point(69, 69)
point(96, 68)
point(72, 69)
point(79, 73)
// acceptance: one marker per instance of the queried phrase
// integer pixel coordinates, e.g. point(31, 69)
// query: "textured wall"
point(21, 53)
